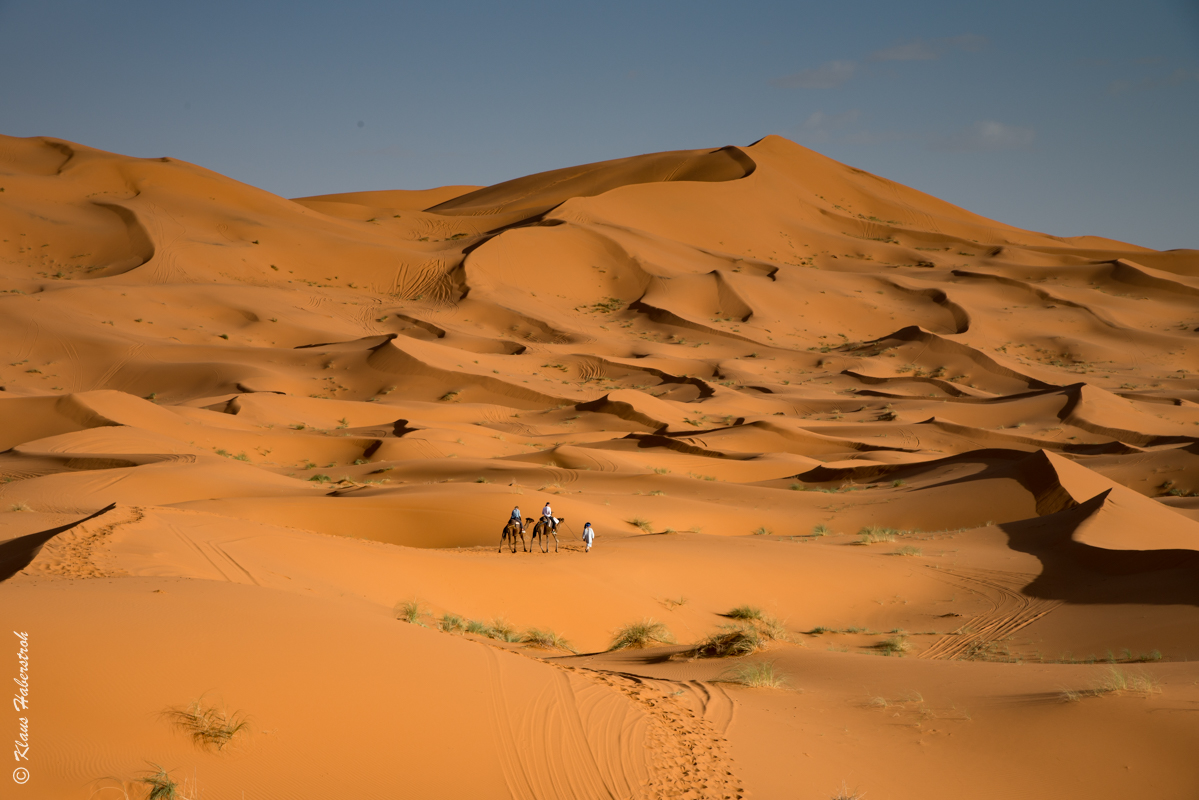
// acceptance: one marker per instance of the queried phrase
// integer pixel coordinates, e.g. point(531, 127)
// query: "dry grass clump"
point(909, 550)
point(410, 611)
point(873, 534)
point(451, 623)
point(768, 626)
point(822, 530)
point(645, 633)
point(763, 675)
point(1116, 681)
point(162, 786)
point(747, 613)
point(894, 646)
point(732, 641)
point(21, 507)
point(845, 793)
point(498, 629)
point(546, 640)
point(209, 727)
point(643, 524)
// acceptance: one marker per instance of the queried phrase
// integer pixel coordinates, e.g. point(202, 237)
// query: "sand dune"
point(957, 460)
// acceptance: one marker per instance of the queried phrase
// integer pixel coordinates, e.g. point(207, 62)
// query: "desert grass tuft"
point(873, 534)
point(1115, 681)
point(731, 641)
point(749, 613)
point(546, 640)
point(845, 793)
point(645, 633)
point(503, 630)
point(477, 627)
point(762, 530)
point(162, 786)
point(643, 524)
point(763, 675)
point(410, 611)
point(451, 623)
point(821, 530)
point(209, 727)
point(909, 550)
point(894, 646)
point(21, 507)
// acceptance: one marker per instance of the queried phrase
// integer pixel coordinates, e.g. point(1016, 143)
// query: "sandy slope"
point(237, 431)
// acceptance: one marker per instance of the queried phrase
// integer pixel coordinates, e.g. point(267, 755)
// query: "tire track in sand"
point(604, 735)
point(1010, 611)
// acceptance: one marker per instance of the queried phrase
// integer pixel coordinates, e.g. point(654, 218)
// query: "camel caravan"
point(542, 530)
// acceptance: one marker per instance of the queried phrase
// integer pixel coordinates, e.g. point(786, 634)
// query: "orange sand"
point(237, 432)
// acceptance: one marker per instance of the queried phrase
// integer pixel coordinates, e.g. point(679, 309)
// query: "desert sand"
point(257, 453)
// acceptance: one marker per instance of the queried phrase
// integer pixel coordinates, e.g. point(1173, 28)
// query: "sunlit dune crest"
point(886, 494)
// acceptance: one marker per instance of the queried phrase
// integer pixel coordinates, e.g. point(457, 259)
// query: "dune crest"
point(261, 451)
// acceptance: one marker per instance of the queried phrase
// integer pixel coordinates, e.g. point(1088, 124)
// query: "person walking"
point(588, 536)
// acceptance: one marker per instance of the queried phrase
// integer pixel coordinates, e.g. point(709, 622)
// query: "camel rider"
point(547, 514)
point(517, 516)
point(588, 536)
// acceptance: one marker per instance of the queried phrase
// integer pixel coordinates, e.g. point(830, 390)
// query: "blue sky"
point(1066, 117)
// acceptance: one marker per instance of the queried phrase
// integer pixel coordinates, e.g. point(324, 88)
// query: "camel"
point(542, 532)
point(513, 528)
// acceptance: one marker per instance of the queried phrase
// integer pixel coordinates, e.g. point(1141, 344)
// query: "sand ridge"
point(940, 450)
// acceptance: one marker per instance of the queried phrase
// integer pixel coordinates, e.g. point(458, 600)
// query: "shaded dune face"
point(739, 364)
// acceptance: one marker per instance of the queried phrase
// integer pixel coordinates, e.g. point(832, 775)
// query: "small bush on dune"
point(763, 675)
point(874, 534)
point(21, 507)
point(908, 550)
point(497, 629)
point(451, 623)
point(546, 640)
point(731, 641)
point(762, 531)
point(821, 530)
point(746, 613)
point(643, 524)
point(766, 625)
point(502, 629)
point(478, 627)
point(208, 726)
point(162, 787)
point(895, 646)
point(645, 633)
point(1117, 680)
point(845, 793)
point(410, 611)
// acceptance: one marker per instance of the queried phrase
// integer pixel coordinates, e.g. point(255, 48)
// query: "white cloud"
point(986, 135)
point(829, 75)
point(930, 49)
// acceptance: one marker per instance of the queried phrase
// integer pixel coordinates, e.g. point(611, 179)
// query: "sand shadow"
point(18, 553)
